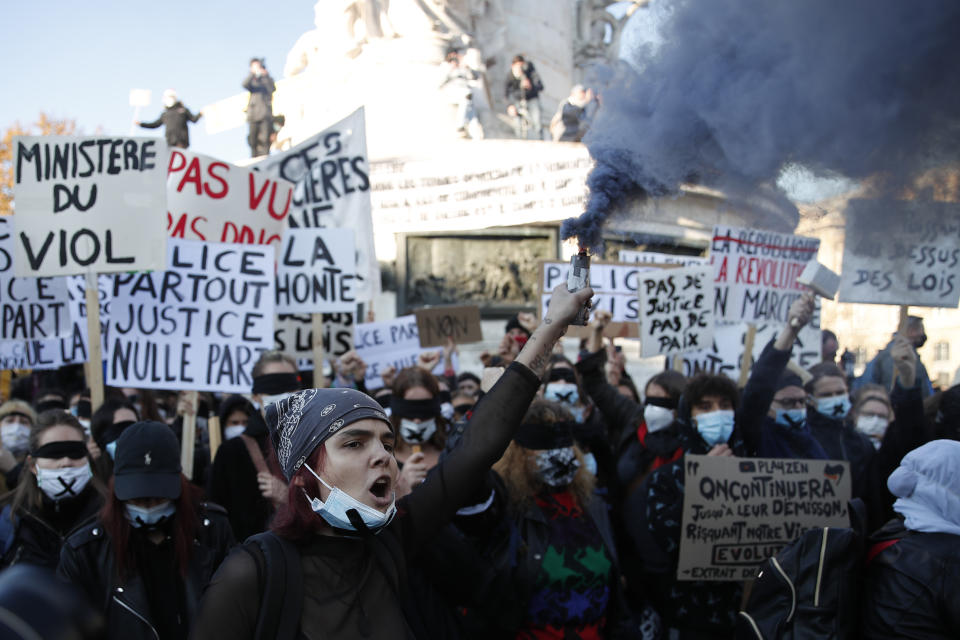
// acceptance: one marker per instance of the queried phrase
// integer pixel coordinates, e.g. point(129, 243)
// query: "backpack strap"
point(281, 588)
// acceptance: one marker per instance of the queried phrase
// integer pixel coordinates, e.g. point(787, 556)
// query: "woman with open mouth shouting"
point(335, 564)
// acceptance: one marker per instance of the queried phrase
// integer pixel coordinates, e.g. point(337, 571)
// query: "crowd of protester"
point(547, 506)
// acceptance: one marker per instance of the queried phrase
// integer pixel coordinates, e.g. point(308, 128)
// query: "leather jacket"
point(88, 561)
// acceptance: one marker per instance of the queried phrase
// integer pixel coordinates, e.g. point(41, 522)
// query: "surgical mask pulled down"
point(335, 509)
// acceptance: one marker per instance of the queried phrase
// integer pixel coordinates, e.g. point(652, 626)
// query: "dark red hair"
point(295, 520)
point(113, 516)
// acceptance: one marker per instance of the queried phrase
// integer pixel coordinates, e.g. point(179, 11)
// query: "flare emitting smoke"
point(741, 88)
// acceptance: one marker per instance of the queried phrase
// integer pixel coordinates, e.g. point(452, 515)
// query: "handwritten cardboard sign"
point(200, 325)
point(316, 271)
point(901, 252)
point(87, 204)
point(436, 324)
point(394, 343)
point(616, 287)
point(293, 334)
point(737, 512)
point(215, 201)
point(652, 257)
point(331, 176)
point(755, 272)
point(677, 310)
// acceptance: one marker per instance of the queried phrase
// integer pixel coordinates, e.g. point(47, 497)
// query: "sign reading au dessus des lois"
point(737, 512)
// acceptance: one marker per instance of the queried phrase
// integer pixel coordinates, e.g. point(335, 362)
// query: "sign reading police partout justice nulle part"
point(737, 512)
point(89, 204)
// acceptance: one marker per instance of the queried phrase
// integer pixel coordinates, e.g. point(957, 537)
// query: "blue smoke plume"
point(741, 88)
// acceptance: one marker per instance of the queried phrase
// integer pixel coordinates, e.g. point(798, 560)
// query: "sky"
point(80, 60)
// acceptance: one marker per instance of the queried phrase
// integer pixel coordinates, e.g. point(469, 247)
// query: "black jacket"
point(913, 586)
point(515, 92)
point(842, 442)
point(260, 106)
point(233, 484)
point(174, 119)
point(88, 561)
point(36, 538)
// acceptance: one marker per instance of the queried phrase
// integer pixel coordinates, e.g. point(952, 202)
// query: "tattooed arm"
point(561, 311)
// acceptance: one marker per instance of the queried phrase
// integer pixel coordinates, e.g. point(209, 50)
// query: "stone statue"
point(375, 16)
point(592, 44)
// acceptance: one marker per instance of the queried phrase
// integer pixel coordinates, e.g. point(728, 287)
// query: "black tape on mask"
point(423, 409)
point(555, 435)
point(272, 384)
point(61, 449)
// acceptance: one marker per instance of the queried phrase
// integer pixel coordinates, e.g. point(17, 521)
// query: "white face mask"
point(65, 482)
point(873, 426)
point(334, 510)
point(657, 418)
point(417, 433)
point(234, 431)
point(15, 438)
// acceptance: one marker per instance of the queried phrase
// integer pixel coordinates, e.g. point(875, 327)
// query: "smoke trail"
point(741, 88)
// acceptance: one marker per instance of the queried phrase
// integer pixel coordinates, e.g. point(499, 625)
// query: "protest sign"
point(725, 352)
point(200, 325)
point(437, 324)
point(901, 252)
point(293, 334)
point(88, 204)
point(214, 201)
point(676, 307)
point(316, 271)
point(737, 512)
point(30, 308)
point(616, 286)
point(394, 343)
point(755, 272)
point(331, 176)
point(652, 257)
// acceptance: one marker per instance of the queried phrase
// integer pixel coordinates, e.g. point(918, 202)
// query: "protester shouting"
point(147, 558)
point(336, 448)
point(245, 477)
point(773, 415)
point(55, 496)
point(653, 515)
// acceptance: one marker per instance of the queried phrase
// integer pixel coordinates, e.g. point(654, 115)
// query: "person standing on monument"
point(523, 98)
point(259, 108)
point(174, 120)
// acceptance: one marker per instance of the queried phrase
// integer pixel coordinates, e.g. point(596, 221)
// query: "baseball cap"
point(147, 462)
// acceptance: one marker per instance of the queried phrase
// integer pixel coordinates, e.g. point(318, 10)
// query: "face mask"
point(334, 510)
point(446, 410)
point(557, 467)
point(577, 414)
point(150, 517)
point(417, 433)
point(590, 463)
point(920, 341)
point(234, 431)
point(564, 392)
point(66, 482)
point(835, 407)
point(15, 438)
point(657, 417)
point(715, 427)
point(792, 418)
point(112, 449)
point(873, 426)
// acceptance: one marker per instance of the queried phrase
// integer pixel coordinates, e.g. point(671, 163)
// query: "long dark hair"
point(295, 520)
point(113, 516)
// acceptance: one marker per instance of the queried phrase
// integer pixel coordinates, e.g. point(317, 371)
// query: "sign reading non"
point(652, 257)
point(756, 271)
point(677, 310)
point(214, 201)
point(316, 271)
point(901, 252)
point(201, 324)
point(88, 204)
point(331, 176)
point(435, 325)
point(737, 512)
